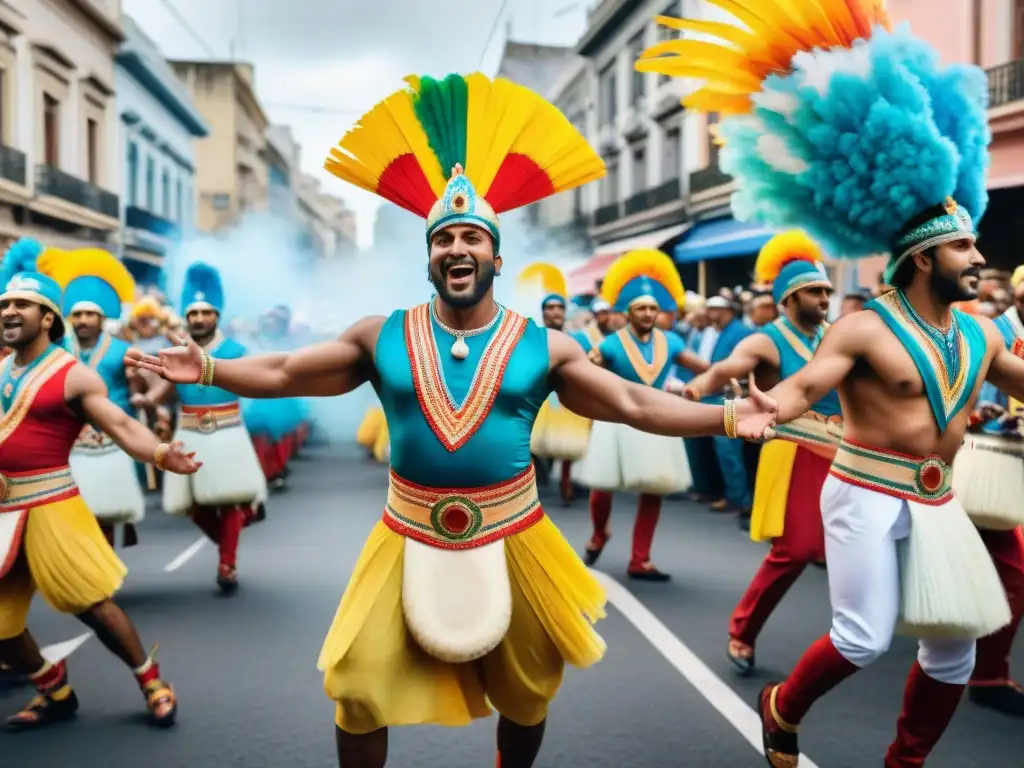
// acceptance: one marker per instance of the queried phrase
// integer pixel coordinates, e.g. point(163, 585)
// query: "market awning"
point(582, 279)
point(721, 239)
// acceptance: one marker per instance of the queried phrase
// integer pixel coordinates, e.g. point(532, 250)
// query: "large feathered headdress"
point(514, 146)
point(92, 280)
point(202, 289)
point(645, 274)
point(835, 124)
point(790, 261)
point(546, 279)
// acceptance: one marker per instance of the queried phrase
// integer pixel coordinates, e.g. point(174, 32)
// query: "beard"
point(950, 290)
point(811, 316)
point(484, 280)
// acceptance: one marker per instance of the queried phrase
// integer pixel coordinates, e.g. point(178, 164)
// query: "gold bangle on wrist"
point(729, 419)
point(160, 454)
point(202, 370)
point(210, 367)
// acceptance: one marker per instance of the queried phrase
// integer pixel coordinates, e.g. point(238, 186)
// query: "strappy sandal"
point(42, 711)
point(161, 701)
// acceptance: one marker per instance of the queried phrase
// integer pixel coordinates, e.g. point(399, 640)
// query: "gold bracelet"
point(202, 370)
point(729, 419)
point(211, 366)
point(160, 454)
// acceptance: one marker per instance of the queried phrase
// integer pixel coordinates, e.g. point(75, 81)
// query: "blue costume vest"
point(499, 448)
point(193, 394)
point(795, 351)
point(107, 359)
point(641, 362)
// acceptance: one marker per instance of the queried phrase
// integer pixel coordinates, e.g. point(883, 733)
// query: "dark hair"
point(58, 328)
point(905, 272)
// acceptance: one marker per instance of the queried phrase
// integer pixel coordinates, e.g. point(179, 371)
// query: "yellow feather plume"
point(147, 306)
point(544, 277)
point(783, 249)
point(65, 266)
point(766, 36)
point(1018, 277)
point(643, 262)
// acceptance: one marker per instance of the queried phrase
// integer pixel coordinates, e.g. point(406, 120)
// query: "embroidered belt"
point(462, 518)
point(924, 479)
point(209, 418)
point(24, 490)
point(813, 429)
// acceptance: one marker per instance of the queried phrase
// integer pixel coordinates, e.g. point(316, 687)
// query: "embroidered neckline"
point(647, 372)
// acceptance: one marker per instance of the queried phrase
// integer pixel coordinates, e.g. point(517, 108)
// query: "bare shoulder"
point(855, 332)
point(562, 348)
point(83, 380)
point(364, 332)
point(759, 345)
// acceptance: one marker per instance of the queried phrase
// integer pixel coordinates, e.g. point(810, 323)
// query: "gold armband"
point(729, 419)
point(160, 454)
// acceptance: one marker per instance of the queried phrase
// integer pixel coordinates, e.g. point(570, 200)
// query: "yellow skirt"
point(370, 426)
point(66, 557)
point(771, 490)
point(380, 677)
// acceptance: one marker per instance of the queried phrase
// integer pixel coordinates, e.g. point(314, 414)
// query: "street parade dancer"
point(621, 457)
point(593, 333)
point(466, 595)
point(225, 495)
point(793, 467)
point(859, 135)
point(988, 478)
point(95, 285)
point(558, 433)
point(49, 539)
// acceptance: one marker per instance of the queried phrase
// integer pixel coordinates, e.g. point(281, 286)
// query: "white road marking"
point(60, 651)
point(185, 556)
point(719, 695)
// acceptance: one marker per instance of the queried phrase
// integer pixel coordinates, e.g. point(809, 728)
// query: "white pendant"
point(460, 349)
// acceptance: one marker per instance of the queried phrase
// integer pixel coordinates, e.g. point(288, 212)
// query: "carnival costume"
point(466, 594)
point(92, 280)
point(591, 335)
point(621, 458)
point(835, 124)
point(792, 468)
point(50, 540)
point(224, 494)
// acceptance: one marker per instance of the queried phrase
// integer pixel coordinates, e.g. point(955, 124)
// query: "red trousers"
point(647, 513)
point(802, 542)
point(223, 526)
point(993, 656)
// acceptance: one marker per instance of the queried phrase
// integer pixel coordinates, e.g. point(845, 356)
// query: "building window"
point(610, 190)
point(51, 131)
point(165, 193)
point(712, 144)
point(639, 169)
point(606, 95)
point(133, 173)
point(671, 167)
point(92, 137)
point(150, 185)
point(667, 33)
point(178, 194)
point(636, 83)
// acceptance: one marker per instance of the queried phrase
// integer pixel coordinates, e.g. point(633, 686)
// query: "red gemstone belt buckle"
point(456, 518)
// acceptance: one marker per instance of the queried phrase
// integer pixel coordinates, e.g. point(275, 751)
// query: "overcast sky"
point(321, 63)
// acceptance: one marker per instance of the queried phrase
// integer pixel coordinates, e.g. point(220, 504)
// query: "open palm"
point(180, 364)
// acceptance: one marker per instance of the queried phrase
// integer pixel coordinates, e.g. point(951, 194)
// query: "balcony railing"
point(139, 218)
point(1006, 83)
point(666, 192)
point(606, 214)
point(53, 181)
point(708, 178)
point(12, 165)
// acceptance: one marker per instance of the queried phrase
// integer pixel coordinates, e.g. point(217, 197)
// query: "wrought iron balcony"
point(12, 165)
point(139, 218)
point(1005, 83)
point(666, 192)
point(606, 214)
point(708, 178)
point(53, 181)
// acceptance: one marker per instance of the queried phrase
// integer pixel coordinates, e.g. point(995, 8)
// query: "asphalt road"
point(665, 695)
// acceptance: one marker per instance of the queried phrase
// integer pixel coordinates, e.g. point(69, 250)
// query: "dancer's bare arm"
point(744, 360)
point(691, 362)
point(595, 393)
point(844, 342)
point(319, 370)
point(1006, 371)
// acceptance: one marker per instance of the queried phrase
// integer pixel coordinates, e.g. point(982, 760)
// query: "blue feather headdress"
point(862, 138)
point(20, 257)
point(202, 289)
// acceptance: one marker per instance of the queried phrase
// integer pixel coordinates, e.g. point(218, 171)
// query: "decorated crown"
point(834, 123)
point(91, 279)
point(516, 148)
point(790, 261)
point(547, 279)
point(645, 274)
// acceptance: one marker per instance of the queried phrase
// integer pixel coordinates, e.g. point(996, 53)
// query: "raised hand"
point(755, 415)
point(180, 364)
point(177, 461)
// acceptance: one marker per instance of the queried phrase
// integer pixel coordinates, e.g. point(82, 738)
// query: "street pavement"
point(250, 695)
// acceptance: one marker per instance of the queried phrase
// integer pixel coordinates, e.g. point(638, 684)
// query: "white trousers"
point(862, 528)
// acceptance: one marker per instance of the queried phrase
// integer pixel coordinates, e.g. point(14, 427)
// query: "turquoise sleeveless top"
point(193, 394)
point(500, 448)
point(110, 367)
point(1010, 327)
point(795, 351)
point(617, 360)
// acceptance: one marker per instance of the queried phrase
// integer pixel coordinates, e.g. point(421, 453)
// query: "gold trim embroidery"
point(452, 425)
point(593, 335)
point(41, 374)
point(647, 372)
point(795, 341)
point(98, 352)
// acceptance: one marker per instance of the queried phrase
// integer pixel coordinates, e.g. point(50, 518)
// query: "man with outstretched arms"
point(863, 139)
point(49, 539)
point(226, 494)
point(466, 595)
point(793, 468)
point(641, 284)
